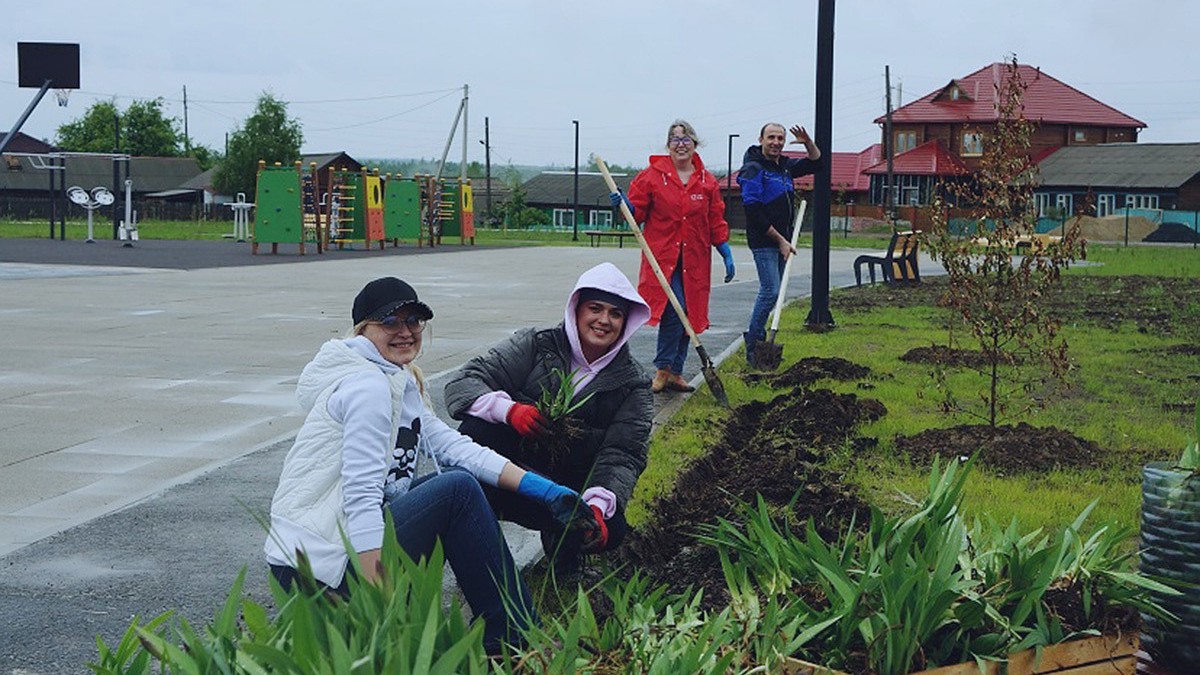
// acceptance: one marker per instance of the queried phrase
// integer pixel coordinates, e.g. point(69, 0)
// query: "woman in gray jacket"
point(495, 395)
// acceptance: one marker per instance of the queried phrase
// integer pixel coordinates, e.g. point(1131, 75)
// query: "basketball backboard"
point(54, 61)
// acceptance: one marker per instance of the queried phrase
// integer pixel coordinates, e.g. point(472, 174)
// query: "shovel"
point(706, 366)
point(767, 354)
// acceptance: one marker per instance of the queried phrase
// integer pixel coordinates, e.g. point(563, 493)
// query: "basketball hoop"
point(63, 96)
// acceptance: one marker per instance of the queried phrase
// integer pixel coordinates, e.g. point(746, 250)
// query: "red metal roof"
point(1046, 100)
point(846, 167)
point(927, 159)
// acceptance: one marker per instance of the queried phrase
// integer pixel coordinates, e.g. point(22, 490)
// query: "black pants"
point(529, 513)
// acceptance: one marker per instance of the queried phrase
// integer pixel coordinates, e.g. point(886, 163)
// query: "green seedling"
point(559, 403)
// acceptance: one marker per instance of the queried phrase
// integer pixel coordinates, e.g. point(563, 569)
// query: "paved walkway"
point(146, 403)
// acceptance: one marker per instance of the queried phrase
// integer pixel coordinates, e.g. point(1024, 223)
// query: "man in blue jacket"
point(767, 196)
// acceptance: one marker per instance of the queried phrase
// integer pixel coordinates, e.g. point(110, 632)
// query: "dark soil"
point(1152, 304)
point(809, 370)
point(946, 356)
point(778, 449)
point(550, 448)
point(774, 449)
point(1006, 449)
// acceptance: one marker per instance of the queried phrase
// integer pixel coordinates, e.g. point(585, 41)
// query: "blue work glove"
point(567, 509)
point(617, 197)
point(727, 256)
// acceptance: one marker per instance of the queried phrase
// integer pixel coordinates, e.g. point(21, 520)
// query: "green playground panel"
point(401, 209)
point(277, 214)
point(452, 192)
point(358, 217)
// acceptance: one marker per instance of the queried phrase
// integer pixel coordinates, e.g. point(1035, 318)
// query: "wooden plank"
point(1057, 657)
point(1103, 652)
point(1123, 665)
point(1100, 655)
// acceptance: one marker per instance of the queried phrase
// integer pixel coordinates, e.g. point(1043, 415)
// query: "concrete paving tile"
point(19, 531)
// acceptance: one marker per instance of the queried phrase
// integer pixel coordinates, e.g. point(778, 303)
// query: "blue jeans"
point(769, 265)
point(451, 507)
point(672, 338)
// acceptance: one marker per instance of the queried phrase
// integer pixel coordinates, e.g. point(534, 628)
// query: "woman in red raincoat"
point(679, 205)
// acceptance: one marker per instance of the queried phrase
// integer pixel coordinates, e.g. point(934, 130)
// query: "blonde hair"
point(687, 129)
point(412, 367)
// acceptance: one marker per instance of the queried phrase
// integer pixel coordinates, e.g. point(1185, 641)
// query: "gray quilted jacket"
point(616, 419)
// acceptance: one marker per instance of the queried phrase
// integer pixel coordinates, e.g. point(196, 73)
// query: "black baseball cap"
point(383, 296)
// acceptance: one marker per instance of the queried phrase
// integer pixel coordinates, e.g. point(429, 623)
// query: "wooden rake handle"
point(787, 266)
point(662, 280)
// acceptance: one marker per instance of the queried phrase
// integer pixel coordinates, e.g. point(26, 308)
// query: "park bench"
point(594, 236)
point(898, 265)
point(1036, 243)
point(1025, 243)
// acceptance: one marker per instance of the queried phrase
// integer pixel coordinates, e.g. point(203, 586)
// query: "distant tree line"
point(143, 130)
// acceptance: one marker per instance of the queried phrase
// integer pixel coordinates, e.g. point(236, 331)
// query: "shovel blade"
point(710, 376)
point(768, 355)
point(716, 386)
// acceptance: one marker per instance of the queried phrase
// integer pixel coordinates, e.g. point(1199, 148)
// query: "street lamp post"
point(729, 164)
point(575, 209)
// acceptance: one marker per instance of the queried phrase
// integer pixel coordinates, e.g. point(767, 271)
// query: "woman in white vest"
point(356, 455)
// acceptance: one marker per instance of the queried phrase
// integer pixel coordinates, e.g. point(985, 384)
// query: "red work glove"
point(527, 420)
point(595, 538)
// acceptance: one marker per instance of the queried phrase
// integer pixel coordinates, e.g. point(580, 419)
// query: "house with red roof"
point(941, 135)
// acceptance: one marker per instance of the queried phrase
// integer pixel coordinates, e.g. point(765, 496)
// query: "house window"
point(1141, 201)
point(1063, 202)
point(602, 219)
point(972, 144)
point(905, 141)
point(1043, 204)
point(1105, 205)
point(564, 218)
point(1081, 135)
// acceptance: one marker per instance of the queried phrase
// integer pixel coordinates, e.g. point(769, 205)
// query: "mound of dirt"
point(774, 449)
point(1112, 228)
point(1008, 449)
point(810, 370)
point(1177, 233)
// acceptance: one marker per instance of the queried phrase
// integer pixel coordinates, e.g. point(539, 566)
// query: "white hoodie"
point(366, 422)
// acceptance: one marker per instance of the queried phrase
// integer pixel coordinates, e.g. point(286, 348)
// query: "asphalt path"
point(147, 400)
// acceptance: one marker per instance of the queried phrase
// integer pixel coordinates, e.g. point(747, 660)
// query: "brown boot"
point(660, 380)
point(676, 383)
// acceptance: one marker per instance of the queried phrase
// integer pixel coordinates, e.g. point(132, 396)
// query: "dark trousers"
point(527, 512)
point(451, 507)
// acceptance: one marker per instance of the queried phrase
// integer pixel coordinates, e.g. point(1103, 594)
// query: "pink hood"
point(605, 277)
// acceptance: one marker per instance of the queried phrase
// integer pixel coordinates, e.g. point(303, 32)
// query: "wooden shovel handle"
point(637, 233)
point(787, 266)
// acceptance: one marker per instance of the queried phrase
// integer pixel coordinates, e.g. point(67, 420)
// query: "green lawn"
point(1128, 394)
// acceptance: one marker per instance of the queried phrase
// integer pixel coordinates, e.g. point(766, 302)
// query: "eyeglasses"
point(392, 323)
point(679, 140)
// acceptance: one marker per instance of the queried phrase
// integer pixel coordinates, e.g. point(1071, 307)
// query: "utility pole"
point(487, 164)
point(187, 140)
point(462, 171)
point(729, 164)
point(819, 316)
point(116, 167)
point(888, 148)
point(575, 209)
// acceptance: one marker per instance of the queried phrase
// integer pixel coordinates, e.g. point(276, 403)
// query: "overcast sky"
point(385, 81)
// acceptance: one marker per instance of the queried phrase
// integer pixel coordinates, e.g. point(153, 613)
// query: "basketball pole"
point(28, 111)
